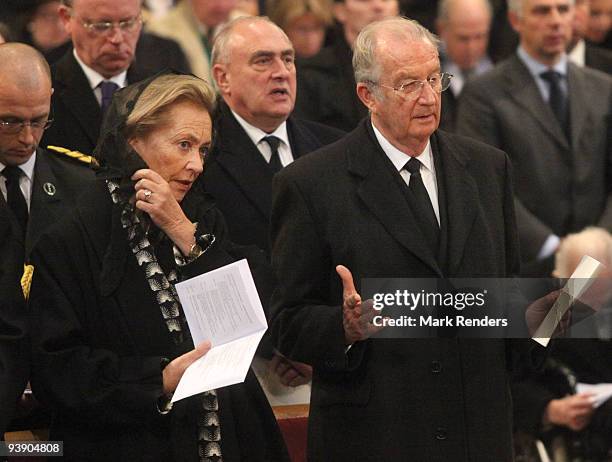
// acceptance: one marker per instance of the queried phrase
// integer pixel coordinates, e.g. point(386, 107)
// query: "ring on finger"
point(147, 194)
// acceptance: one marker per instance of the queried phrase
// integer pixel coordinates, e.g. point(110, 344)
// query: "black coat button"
point(436, 367)
point(441, 433)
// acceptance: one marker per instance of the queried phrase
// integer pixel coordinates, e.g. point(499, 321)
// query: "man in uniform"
point(37, 186)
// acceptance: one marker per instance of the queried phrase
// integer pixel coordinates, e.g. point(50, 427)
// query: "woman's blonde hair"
point(152, 106)
point(283, 12)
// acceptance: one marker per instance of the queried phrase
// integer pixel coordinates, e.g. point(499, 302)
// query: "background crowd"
point(84, 113)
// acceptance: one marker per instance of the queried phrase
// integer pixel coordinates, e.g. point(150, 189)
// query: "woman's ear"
point(135, 143)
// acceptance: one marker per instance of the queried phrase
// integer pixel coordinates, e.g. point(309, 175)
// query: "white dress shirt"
point(25, 182)
point(95, 79)
point(428, 169)
point(257, 135)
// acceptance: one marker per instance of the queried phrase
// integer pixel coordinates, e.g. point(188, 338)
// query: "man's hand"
point(356, 315)
point(538, 310)
point(173, 372)
point(573, 411)
point(290, 373)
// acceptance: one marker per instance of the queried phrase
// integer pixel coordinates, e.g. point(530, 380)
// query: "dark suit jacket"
point(75, 110)
point(14, 361)
point(326, 88)
point(561, 186)
point(424, 399)
point(98, 338)
point(240, 180)
point(68, 177)
point(598, 58)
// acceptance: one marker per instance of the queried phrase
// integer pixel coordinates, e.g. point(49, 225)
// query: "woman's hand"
point(173, 372)
point(154, 197)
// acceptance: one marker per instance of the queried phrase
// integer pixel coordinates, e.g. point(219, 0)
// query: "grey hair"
point(516, 6)
point(444, 8)
point(221, 49)
point(593, 241)
point(366, 64)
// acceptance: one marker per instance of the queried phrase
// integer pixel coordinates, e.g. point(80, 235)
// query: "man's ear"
point(64, 14)
point(515, 21)
point(221, 77)
point(366, 96)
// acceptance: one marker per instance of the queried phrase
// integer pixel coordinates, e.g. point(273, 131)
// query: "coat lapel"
point(522, 88)
point(579, 93)
point(462, 197)
point(73, 89)
point(243, 162)
point(386, 202)
point(46, 200)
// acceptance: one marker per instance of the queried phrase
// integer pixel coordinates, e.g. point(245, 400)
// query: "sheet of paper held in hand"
point(602, 392)
point(582, 278)
point(221, 306)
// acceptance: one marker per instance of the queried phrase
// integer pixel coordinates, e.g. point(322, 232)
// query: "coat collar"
point(366, 160)
point(102, 223)
point(242, 161)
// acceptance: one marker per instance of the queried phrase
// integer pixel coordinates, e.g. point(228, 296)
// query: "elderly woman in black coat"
point(110, 340)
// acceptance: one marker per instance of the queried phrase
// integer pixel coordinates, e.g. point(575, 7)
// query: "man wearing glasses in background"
point(38, 187)
point(104, 35)
point(394, 198)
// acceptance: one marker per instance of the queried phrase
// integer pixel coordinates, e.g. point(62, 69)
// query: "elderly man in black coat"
point(358, 206)
point(258, 100)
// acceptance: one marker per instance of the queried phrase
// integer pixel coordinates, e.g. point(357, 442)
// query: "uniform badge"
point(50, 189)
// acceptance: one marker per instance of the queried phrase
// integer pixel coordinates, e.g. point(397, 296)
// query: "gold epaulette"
point(26, 280)
point(89, 160)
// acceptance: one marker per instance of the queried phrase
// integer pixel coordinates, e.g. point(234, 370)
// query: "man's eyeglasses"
point(13, 127)
point(412, 88)
point(126, 26)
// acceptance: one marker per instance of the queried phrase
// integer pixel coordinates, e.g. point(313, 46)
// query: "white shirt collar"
point(95, 79)
point(27, 167)
point(398, 158)
point(578, 53)
point(536, 67)
point(256, 134)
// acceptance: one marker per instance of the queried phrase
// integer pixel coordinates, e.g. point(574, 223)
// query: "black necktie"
point(275, 163)
point(108, 89)
point(424, 202)
point(557, 99)
point(14, 196)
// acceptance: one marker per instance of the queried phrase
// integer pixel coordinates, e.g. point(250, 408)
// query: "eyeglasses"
point(412, 88)
point(13, 127)
point(126, 26)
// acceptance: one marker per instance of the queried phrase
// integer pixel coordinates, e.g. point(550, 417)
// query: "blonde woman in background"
point(304, 21)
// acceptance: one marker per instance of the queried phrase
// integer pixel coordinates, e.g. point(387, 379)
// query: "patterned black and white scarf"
point(162, 286)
